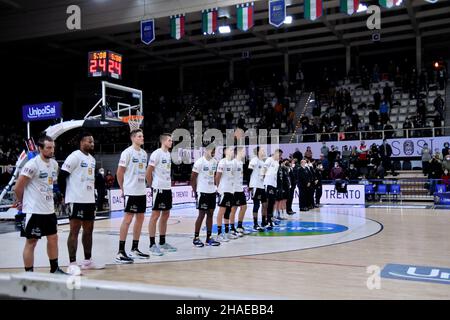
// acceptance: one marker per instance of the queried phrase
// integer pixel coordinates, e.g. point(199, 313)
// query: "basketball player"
point(257, 190)
point(76, 182)
point(131, 178)
point(34, 194)
point(202, 182)
point(158, 177)
point(271, 166)
point(225, 187)
point(239, 196)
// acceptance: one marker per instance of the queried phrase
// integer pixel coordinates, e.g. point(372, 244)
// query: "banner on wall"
point(183, 194)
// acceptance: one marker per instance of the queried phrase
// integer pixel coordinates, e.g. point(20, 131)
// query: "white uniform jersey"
point(206, 170)
point(80, 183)
point(135, 164)
point(238, 175)
point(226, 184)
point(257, 176)
point(38, 193)
point(162, 162)
point(271, 166)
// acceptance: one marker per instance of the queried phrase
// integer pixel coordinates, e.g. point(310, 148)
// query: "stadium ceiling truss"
point(325, 37)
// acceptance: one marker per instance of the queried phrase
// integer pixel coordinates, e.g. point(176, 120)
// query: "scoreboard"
point(105, 63)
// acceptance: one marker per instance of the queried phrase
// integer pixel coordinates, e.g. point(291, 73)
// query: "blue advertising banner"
point(41, 111)
point(277, 12)
point(148, 31)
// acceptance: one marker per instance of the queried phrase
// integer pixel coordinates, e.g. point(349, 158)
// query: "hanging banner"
point(148, 31)
point(177, 26)
point(209, 21)
point(244, 16)
point(389, 3)
point(277, 12)
point(349, 6)
point(313, 9)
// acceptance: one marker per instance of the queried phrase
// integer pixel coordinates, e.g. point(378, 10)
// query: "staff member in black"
point(293, 176)
point(303, 184)
point(318, 168)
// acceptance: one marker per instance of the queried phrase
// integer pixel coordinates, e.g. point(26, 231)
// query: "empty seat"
point(403, 110)
point(404, 103)
point(401, 118)
point(405, 96)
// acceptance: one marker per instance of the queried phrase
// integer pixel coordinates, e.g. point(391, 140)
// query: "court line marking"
point(306, 262)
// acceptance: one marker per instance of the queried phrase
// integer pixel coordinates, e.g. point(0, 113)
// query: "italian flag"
point(209, 21)
point(313, 9)
point(244, 16)
point(389, 3)
point(349, 6)
point(177, 26)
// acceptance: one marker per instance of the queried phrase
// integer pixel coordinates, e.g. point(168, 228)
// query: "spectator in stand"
point(437, 124)
point(446, 149)
point(438, 155)
point(326, 165)
point(353, 174)
point(439, 104)
point(241, 122)
point(300, 78)
point(423, 80)
point(229, 117)
point(385, 154)
point(442, 77)
point(446, 163)
point(384, 112)
point(308, 154)
point(291, 121)
point(324, 150)
point(426, 157)
point(422, 110)
point(407, 125)
point(347, 98)
point(337, 172)
point(388, 131)
point(363, 153)
point(346, 155)
point(446, 179)
point(435, 172)
point(373, 117)
point(377, 99)
point(387, 94)
point(109, 179)
point(332, 155)
point(6, 176)
point(100, 186)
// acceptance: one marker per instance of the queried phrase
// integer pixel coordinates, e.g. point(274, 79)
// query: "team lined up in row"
point(269, 185)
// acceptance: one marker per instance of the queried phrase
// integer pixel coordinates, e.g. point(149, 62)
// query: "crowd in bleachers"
point(398, 98)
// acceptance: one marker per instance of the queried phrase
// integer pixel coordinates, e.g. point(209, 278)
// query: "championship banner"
point(209, 21)
point(389, 3)
point(313, 9)
point(148, 31)
point(349, 6)
point(244, 16)
point(177, 26)
point(277, 12)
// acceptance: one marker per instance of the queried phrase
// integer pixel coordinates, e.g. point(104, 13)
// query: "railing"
point(409, 189)
point(318, 137)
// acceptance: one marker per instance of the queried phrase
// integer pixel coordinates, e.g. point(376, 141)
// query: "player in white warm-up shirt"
point(76, 182)
point(225, 187)
point(34, 194)
point(159, 178)
point(131, 179)
point(204, 188)
point(270, 182)
point(240, 200)
point(256, 186)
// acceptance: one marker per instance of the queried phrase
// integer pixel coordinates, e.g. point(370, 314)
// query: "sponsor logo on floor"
point(294, 228)
point(416, 273)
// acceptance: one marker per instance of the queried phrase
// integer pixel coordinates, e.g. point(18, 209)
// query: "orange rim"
point(133, 117)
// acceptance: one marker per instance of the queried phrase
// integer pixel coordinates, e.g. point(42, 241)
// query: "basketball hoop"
point(134, 121)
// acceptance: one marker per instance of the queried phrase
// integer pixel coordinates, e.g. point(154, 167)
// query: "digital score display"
point(105, 63)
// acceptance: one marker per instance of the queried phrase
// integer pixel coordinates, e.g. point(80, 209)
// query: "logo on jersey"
point(205, 169)
point(84, 164)
point(135, 160)
point(43, 175)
